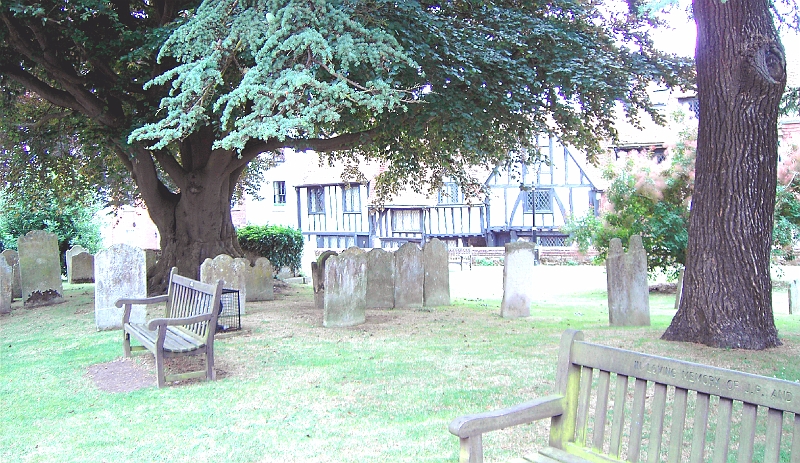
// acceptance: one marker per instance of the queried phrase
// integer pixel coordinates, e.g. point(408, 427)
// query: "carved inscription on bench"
point(725, 386)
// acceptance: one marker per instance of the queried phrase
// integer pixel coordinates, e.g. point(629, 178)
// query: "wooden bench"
point(618, 405)
point(187, 328)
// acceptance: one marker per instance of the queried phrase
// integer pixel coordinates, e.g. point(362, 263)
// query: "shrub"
point(283, 246)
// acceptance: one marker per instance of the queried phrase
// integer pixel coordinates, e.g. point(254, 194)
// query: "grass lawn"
point(291, 390)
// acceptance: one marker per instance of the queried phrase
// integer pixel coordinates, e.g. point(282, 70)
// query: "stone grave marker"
point(260, 284)
point(794, 296)
point(12, 259)
point(77, 249)
point(436, 286)
point(345, 289)
point(626, 276)
point(40, 268)
point(151, 258)
point(6, 280)
point(518, 287)
point(81, 269)
point(380, 279)
point(233, 272)
point(318, 278)
point(119, 272)
point(409, 276)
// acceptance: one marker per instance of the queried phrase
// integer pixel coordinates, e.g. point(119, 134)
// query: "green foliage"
point(72, 223)
point(647, 199)
point(283, 246)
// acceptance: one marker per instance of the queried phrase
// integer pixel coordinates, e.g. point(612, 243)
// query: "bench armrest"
point(527, 412)
point(143, 300)
point(158, 322)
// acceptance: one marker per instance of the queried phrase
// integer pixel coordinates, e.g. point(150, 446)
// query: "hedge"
point(283, 246)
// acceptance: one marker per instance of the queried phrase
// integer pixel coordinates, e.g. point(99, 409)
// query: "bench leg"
point(210, 373)
point(126, 343)
point(162, 377)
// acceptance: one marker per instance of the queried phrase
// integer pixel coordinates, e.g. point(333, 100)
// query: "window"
point(449, 194)
point(539, 201)
point(316, 200)
point(351, 198)
point(279, 193)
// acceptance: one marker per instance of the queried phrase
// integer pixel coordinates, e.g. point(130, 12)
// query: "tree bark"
point(741, 74)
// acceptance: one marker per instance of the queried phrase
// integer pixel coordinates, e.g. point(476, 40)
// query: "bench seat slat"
point(678, 424)
point(637, 419)
point(618, 425)
point(657, 422)
point(174, 340)
point(747, 432)
point(772, 449)
point(723, 433)
point(699, 425)
point(582, 419)
point(601, 410)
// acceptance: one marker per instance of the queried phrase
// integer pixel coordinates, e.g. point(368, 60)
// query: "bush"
point(283, 246)
point(73, 224)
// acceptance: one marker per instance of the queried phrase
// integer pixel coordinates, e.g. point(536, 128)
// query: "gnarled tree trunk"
point(741, 74)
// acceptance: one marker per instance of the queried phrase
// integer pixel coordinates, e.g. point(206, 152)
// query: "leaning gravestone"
point(518, 288)
point(436, 287)
point(74, 250)
point(233, 273)
point(345, 289)
point(6, 279)
point(260, 284)
point(409, 276)
point(794, 296)
point(12, 258)
point(119, 272)
point(628, 293)
point(318, 278)
point(40, 269)
point(81, 269)
point(380, 279)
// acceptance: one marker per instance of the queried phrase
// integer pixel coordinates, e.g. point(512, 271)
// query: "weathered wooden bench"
point(618, 405)
point(187, 328)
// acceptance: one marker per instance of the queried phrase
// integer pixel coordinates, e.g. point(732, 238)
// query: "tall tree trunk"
point(741, 74)
point(195, 221)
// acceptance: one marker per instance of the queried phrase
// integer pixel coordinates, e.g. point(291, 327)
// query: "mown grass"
point(290, 390)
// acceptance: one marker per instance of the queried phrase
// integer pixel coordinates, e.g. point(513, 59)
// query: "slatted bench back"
point(187, 298)
point(636, 407)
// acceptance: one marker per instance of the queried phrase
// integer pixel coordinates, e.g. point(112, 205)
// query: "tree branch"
point(172, 167)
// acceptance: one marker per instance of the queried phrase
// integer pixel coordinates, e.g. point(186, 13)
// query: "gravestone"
point(518, 287)
point(233, 273)
point(626, 276)
point(12, 259)
point(151, 258)
point(119, 272)
point(436, 286)
point(77, 249)
point(82, 268)
point(6, 280)
point(40, 269)
point(679, 290)
point(409, 276)
point(794, 296)
point(345, 289)
point(380, 279)
point(318, 278)
point(260, 284)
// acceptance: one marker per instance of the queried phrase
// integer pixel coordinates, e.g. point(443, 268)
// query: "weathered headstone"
point(119, 272)
point(40, 268)
point(628, 292)
point(81, 269)
point(12, 259)
point(679, 290)
point(233, 272)
point(260, 284)
point(318, 278)
point(518, 288)
point(74, 250)
point(794, 296)
point(380, 279)
point(345, 289)
point(151, 258)
point(6, 279)
point(436, 287)
point(409, 276)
